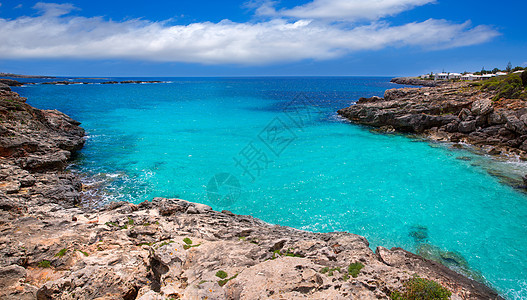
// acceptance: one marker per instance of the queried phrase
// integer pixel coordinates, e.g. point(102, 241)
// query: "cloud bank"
point(344, 10)
point(55, 34)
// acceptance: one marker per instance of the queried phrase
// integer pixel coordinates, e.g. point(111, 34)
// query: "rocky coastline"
point(11, 82)
point(53, 247)
point(417, 81)
point(456, 112)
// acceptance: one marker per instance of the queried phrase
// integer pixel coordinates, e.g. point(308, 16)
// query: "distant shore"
point(25, 76)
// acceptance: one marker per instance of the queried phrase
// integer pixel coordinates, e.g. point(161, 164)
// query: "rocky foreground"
point(51, 247)
point(455, 113)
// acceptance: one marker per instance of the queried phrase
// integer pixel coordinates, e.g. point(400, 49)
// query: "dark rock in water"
point(465, 158)
point(140, 81)
point(10, 82)
point(494, 151)
point(450, 259)
point(385, 129)
point(110, 82)
point(419, 233)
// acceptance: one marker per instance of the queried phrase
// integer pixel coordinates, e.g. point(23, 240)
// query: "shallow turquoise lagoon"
point(297, 164)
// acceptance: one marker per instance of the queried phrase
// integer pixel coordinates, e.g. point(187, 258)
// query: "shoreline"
point(133, 251)
point(456, 112)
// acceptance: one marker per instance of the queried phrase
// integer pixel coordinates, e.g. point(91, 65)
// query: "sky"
point(260, 37)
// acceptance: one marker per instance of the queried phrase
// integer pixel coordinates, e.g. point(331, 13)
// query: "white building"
point(501, 73)
point(471, 77)
point(454, 76)
point(487, 76)
point(425, 76)
point(441, 76)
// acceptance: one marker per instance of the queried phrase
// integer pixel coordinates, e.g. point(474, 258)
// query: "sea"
point(275, 148)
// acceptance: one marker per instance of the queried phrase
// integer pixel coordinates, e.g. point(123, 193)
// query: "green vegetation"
point(421, 289)
point(289, 252)
point(221, 274)
point(511, 86)
point(130, 221)
point(83, 252)
point(44, 264)
point(61, 252)
point(164, 244)
point(188, 244)
point(354, 269)
point(224, 281)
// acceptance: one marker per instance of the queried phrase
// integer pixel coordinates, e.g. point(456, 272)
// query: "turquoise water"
point(306, 168)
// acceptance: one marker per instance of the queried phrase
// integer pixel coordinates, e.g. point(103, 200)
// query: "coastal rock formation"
point(417, 81)
point(456, 112)
point(52, 247)
point(173, 248)
point(10, 82)
point(34, 139)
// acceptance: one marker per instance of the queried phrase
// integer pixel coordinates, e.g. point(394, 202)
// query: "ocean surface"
point(275, 148)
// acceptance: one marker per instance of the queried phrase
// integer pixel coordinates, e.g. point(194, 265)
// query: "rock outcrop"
point(170, 248)
point(455, 112)
point(10, 82)
point(418, 81)
point(53, 248)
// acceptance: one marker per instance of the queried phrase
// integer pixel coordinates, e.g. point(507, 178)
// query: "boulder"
point(496, 118)
point(4, 87)
point(482, 107)
point(467, 126)
point(513, 123)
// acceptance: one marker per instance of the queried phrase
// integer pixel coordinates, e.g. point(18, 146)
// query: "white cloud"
point(55, 35)
point(54, 9)
point(344, 10)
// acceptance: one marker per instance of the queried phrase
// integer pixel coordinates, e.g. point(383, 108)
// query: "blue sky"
point(260, 37)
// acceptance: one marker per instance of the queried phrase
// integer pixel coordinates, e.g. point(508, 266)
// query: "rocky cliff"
point(417, 81)
point(53, 248)
point(455, 112)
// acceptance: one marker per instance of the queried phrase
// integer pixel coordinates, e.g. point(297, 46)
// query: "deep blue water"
point(297, 164)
